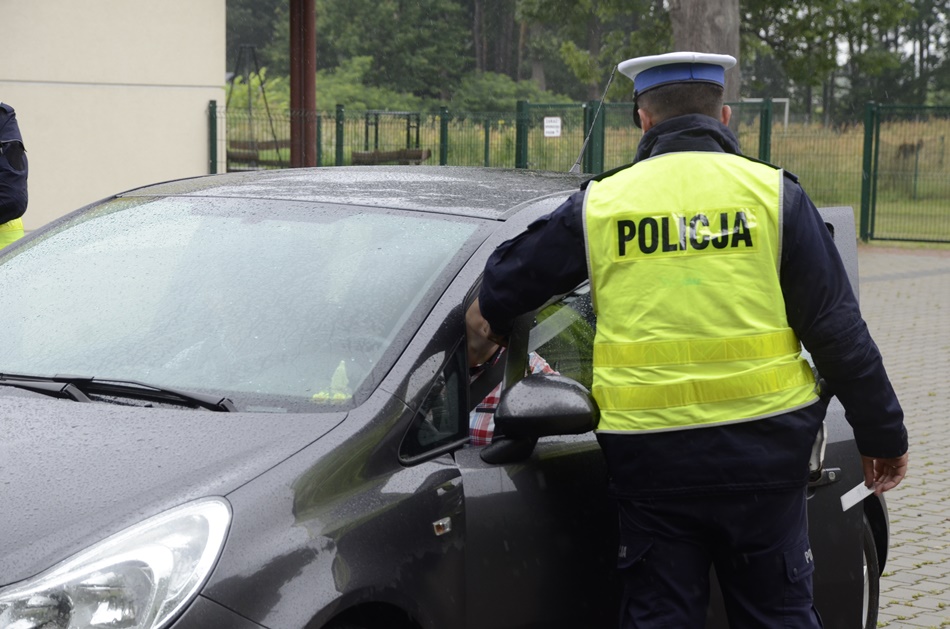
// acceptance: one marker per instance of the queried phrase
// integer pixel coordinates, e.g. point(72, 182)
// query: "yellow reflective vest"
point(691, 325)
point(10, 232)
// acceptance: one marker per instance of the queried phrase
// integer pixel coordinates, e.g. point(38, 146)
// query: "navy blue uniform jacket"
point(13, 167)
point(549, 258)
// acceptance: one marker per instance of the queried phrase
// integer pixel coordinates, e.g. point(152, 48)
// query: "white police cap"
point(676, 67)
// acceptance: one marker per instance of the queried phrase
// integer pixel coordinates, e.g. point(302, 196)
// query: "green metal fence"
point(555, 134)
point(894, 167)
point(549, 137)
point(906, 175)
point(536, 136)
point(752, 124)
point(620, 136)
point(262, 141)
point(477, 138)
point(826, 160)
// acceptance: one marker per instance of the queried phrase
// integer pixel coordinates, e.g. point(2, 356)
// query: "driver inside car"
point(484, 354)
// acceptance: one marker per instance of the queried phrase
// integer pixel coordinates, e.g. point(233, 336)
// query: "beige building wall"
point(110, 94)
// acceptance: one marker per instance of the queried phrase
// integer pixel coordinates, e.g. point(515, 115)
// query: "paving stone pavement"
point(905, 299)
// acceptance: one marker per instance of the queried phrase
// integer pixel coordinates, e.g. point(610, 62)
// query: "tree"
point(344, 84)
point(871, 32)
point(252, 23)
point(927, 33)
point(493, 92)
point(592, 36)
point(496, 48)
point(801, 37)
point(832, 53)
point(702, 26)
point(856, 50)
point(417, 46)
point(762, 74)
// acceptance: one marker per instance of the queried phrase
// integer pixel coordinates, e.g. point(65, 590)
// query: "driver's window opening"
point(561, 342)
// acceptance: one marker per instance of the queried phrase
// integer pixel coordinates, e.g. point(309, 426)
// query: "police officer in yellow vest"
point(708, 271)
point(13, 174)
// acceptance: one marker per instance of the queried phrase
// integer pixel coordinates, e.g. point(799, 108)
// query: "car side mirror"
point(539, 405)
point(507, 450)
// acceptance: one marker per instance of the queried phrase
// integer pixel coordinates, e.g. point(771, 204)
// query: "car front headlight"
point(139, 578)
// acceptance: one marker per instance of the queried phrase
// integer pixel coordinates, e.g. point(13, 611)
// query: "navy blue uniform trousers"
point(757, 542)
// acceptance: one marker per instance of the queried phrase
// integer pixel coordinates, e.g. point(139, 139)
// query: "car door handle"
point(828, 476)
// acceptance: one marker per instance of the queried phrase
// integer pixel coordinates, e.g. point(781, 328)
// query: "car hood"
point(72, 474)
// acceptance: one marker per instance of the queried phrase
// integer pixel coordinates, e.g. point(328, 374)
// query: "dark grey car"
point(242, 401)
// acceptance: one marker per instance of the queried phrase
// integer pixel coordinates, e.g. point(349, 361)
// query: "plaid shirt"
point(482, 418)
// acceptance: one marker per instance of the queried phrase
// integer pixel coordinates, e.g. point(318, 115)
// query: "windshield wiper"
point(79, 388)
point(65, 390)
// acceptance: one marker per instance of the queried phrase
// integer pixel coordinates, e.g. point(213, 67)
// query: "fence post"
point(521, 134)
point(866, 175)
point(443, 136)
point(594, 125)
point(588, 117)
point(213, 137)
point(765, 131)
point(319, 140)
point(339, 135)
point(487, 143)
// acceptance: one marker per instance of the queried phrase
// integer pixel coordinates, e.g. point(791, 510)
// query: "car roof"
point(471, 191)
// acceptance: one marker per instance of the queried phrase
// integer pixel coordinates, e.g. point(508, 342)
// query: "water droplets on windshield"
point(253, 299)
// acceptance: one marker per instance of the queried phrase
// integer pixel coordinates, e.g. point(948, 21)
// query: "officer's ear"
point(647, 119)
point(726, 115)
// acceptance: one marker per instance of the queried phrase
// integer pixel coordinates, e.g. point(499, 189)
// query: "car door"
point(541, 532)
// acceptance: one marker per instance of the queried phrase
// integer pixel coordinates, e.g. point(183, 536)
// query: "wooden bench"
point(400, 156)
point(246, 155)
point(244, 152)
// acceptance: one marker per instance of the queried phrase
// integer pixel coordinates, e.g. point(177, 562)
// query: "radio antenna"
point(576, 168)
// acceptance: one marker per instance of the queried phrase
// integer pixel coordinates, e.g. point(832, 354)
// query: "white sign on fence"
point(552, 126)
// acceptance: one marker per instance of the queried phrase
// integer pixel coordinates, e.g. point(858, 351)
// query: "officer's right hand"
point(884, 474)
point(482, 342)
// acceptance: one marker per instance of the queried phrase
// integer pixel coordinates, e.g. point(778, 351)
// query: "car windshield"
point(278, 305)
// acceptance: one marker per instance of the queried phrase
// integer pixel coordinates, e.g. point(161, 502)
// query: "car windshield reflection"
point(256, 300)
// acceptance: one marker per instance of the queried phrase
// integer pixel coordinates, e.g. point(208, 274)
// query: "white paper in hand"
point(855, 495)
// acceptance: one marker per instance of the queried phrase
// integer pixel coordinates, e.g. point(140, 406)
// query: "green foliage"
point(874, 62)
point(929, 31)
point(254, 23)
point(258, 93)
point(418, 54)
point(416, 46)
point(857, 50)
point(801, 36)
point(490, 91)
point(496, 33)
point(762, 73)
point(592, 36)
point(941, 85)
point(276, 51)
point(344, 85)
point(876, 74)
